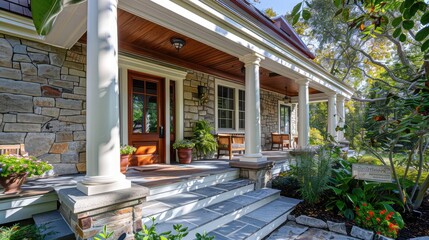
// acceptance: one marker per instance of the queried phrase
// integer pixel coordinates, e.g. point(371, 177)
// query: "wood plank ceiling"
point(144, 38)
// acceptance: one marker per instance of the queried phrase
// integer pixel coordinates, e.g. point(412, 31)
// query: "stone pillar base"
point(89, 189)
point(120, 211)
point(254, 159)
point(259, 172)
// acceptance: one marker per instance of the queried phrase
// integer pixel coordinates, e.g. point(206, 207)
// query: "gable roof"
point(277, 27)
point(21, 7)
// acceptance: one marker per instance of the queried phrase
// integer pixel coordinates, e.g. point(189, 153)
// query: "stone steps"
point(258, 223)
point(164, 209)
point(193, 183)
point(214, 216)
point(53, 226)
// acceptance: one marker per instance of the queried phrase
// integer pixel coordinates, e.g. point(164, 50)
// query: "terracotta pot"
point(12, 183)
point(185, 155)
point(125, 160)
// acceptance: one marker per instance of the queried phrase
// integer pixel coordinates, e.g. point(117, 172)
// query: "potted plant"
point(184, 150)
point(205, 142)
point(126, 152)
point(14, 170)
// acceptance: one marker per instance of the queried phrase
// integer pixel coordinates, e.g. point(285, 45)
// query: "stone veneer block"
point(10, 118)
point(51, 112)
point(362, 233)
point(22, 127)
point(311, 222)
point(15, 103)
point(10, 73)
point(44, 102)
point(78, 202)
point(69, 104)
point(6, 53)
point(64, 168)
point(48, 71)
point(59, 148)
point(32, 118)
point(337, 227)
point(12, 138)
point(37, 144)
point(19, 87)
point(64, 137)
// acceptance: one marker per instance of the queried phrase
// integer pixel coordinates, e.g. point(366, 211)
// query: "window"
point(225, 107)
point(241, 109)
point(284, 119)
point(230, 107)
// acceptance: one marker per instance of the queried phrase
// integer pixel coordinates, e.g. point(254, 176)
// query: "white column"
point(303, 113)
point(253, 110)
point(341, 117)
point(332, 114)
point(102, 119)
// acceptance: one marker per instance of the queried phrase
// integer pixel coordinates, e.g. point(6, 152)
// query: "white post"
point(253, 110)
point(341, 116)
point(102, 119)
point(303, 113)
point(332, 114)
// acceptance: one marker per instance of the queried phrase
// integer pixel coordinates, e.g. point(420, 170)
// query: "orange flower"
point(364, 204)
point(357, 209)
point(382, 212)
point(371, 213)
point(378, 219)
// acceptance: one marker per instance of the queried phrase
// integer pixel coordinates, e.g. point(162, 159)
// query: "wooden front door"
point(146, 116)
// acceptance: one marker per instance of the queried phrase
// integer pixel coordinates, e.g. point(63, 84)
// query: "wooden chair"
point(18, 149)
point(281, 140)
point(229, 143)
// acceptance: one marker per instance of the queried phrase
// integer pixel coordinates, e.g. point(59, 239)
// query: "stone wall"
point(42, 101)
point(194, 109)
point(269, 116)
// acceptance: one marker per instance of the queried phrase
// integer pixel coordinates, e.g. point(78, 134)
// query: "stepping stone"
point(320, 234)
point(289, 231)
point(53, 226)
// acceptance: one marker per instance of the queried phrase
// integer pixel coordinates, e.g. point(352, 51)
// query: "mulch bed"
point(416, 224)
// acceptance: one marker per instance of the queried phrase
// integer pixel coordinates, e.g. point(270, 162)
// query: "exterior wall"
point(269, 116)
point(42, 101)
point(195, 110)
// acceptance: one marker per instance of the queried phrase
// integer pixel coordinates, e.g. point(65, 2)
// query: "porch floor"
point(148, 176)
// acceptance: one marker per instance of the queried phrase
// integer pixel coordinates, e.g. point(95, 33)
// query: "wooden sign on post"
point(372, 172)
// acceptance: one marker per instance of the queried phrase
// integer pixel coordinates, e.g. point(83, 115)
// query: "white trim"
point(280, 103)
point(236, 88)
point(127, 63)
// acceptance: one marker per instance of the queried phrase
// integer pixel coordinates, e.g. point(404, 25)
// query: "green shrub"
point(316, 137)
point(183, 144)
point(17, 232)
point(16, 164)
point(313, 169)
point(289, 185)
point(205, 142)
point(127, 150)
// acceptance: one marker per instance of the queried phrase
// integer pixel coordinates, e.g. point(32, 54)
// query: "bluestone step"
point(258, 223)
point(53, 226)
point(192, 184)
point(167, 208)
point(219, 214)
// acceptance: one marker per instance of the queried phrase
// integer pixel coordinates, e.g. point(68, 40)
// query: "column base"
point(93, 189)
point(253, 158)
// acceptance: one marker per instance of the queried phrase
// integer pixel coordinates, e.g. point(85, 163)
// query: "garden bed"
point(417, 225)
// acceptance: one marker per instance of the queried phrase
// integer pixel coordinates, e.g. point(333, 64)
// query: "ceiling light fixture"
point(178, 43)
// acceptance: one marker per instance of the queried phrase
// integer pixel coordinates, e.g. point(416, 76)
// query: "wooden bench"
point(18, 149)
point(230, 143)
point(281, 140)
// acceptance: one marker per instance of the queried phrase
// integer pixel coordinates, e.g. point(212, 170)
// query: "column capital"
point(251, 58)
point(340, 98)
point(303, 81)
point(331, 94)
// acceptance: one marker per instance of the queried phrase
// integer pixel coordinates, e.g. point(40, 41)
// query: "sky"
point(279, 6)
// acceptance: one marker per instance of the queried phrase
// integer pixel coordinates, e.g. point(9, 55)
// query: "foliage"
point(104, 234)
point(316, 137)
point(15, 164)
point(183, 144)
point(368, 159)
point(289, 185)
point(150, 233)
point(386, 222)
point(313, 169)
point(127, 150)
point(205, 142)
point(17, 232)
point(45, 12)
point(348, 192)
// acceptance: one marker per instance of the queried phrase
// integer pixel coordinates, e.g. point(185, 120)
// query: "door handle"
point(161, 132)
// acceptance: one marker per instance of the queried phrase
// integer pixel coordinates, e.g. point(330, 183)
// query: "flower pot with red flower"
point(14, 169)
point(126, 153)
point(184, 150)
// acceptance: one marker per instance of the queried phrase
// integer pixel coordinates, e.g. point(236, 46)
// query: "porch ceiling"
point(147, 39)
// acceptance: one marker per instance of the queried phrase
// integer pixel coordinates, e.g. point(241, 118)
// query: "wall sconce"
point(203, 94)
point(177, 43)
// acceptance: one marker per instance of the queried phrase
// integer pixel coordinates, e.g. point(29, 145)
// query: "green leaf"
point(338, 12)
point(425, 18)
point(336, 190)
point(295, 19)
point(408, 3)
point(352, 198)
point(346, 14)
point(306, 14)
point(422, 34)
point(348, 213)
point(340, 204)
point(337, 3)
point(408, 24)
point(45, 12)
point(397, 21)
point(296, 9)
point(402, 38)
point(425, 46)
point(397, 32)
